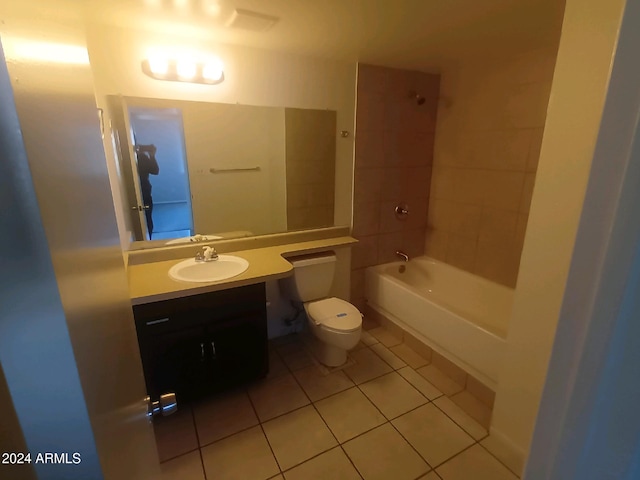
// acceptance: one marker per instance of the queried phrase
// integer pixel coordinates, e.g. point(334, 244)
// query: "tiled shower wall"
point(394, 151)
point(490, 125)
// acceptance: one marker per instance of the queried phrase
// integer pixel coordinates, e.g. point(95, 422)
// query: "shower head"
point(417, 97)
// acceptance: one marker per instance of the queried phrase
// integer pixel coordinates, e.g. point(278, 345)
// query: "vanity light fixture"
point(183, 70)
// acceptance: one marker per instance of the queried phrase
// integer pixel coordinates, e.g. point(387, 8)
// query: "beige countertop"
point(150, 282)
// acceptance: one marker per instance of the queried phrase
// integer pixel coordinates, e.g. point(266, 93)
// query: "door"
point(126, 163)
point(68, 346)
point(161, 129)
point(142, 206)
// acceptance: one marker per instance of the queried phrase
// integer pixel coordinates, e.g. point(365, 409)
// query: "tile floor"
point(384, 415)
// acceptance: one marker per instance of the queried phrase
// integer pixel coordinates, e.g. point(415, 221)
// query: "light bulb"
point(158, 65)
point(212, 71)
point(186, 68)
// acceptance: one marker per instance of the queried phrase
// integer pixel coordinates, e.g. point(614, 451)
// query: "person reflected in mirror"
point(147, 165)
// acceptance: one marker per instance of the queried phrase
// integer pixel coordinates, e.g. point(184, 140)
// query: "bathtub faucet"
point(403, 255)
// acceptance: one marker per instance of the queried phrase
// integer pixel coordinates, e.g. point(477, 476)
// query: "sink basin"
point(227, 266)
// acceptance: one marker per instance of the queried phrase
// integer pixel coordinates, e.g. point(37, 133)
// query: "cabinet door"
point(238, 349)
point(176, 362)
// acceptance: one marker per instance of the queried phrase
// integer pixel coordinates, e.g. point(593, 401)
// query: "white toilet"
point(334, 323)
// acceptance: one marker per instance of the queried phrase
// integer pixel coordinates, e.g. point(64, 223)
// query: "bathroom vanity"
point(200, 337)
point(202, 343)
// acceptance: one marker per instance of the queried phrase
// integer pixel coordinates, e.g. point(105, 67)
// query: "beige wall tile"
point(534, 149)
point(365, 218)
point(442, 182)
point(372, 79)
point(480, 412)
point(392, 184)
point(418, 213)
point(462, 418)
point(413, 242)
point(480, 391)
point(435, 244)
point(369, 149)
point(439, 216)
point(511, 150)
point(526, 105)
point(465, 219)
point(471, 185)
point(417, 182)
point(370, 111)
point(394, 155)
point(419, 347)
point(521, 228)
point(388, 243)
point(365, 252)
point(503, 189)
point(497, 225)
point(527, 192)
point(367, 184)
point(357, 283)
point(387, 220)
point(461, 252)
point(488, 136)
point(498, 262)
point(477, 149)
point(445, 365)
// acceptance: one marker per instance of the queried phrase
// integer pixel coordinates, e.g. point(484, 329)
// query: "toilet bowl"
point(335, 325)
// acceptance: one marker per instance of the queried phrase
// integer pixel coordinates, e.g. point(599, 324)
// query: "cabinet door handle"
point(213, 349)
point(155, 322)
point(202, 352)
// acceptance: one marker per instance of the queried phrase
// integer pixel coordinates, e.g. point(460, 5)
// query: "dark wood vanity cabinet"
point(203, 343)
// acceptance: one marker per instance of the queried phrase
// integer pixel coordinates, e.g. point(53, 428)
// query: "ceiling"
point(416, 34)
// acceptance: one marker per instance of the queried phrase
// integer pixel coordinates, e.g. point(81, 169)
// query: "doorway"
point(171, 211)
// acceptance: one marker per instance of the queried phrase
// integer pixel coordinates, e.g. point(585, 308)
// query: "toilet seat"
point(335, 315)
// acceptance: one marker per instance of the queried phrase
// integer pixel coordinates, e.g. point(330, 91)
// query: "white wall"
point(223, 137)
point(575, 108)
point(253, 77)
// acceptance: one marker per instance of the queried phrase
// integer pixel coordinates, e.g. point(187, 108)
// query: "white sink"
point(227, 266)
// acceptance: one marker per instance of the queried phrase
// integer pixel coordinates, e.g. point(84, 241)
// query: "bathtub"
point(460, 315)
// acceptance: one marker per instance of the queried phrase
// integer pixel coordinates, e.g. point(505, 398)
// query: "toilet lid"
point(335, 314)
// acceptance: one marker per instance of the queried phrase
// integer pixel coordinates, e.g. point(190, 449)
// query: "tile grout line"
point(394, 427)
point(195, 428)
point(178, 456)
point(264, 434)
point(390, 421)
point(494, 456)
point(464, 389)
point(456, 454)
point(454, 421)
point(339, 444)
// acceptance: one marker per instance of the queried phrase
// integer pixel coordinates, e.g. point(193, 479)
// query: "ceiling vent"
point(254, 21)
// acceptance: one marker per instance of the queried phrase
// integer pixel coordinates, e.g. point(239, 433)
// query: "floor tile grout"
point(255, 412)
point(289, 371)
point(494, 456)
point(195, 429)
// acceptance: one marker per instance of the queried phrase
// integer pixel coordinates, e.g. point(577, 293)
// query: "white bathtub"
point(460, 315)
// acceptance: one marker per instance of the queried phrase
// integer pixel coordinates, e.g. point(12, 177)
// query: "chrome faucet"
point(403, 255)
point(208, 254)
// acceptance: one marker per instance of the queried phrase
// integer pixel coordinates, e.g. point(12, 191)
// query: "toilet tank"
point(312, 276)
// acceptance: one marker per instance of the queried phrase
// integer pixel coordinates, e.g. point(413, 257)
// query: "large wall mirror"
point(223, 170)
